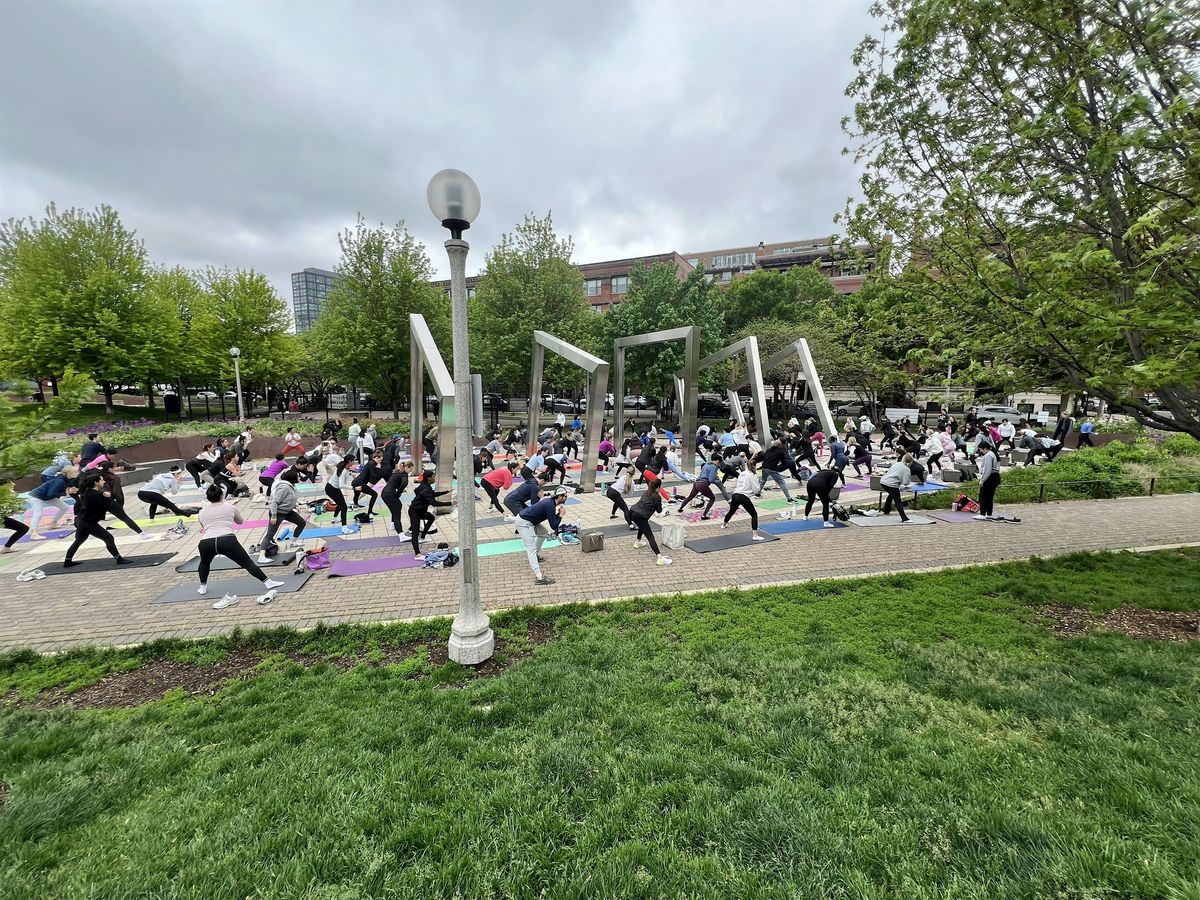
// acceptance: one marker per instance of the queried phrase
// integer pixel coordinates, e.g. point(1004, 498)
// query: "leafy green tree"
point(73, 294)
point(659, 299)
point(1036, 162)
point(240, 309)
point(18, 430)
point(362, 333)
point(528, 283)
point(765, 295)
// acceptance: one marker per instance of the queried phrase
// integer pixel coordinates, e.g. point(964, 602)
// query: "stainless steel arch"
point(425, 357)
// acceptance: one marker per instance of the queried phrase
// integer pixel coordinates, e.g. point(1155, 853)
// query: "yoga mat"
point(952, 515)
point(617, 529)
point(791, 527)
point(48, 535)
point(392, 542)
point(500, 548)
point(893, 519)
point(225, 564)
point(928, 488)
point(286, 533)
point(107, 565)
point(122, 540)
point(167, 519)
point(489, 523)
point(346, 567)
point(726, 541)
point(245, 586)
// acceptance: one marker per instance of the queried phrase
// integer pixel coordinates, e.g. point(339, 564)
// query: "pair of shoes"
point(202, 590)
point(225, 602)
point(35, 574)
point(543, 580)
point(664, 560)
point(263, 560)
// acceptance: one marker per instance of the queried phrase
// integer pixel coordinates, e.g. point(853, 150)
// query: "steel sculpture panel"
point(424, 357)
point(688, 391)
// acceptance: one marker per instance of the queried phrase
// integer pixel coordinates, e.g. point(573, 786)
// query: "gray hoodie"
point(988, 465)
point(283, 497)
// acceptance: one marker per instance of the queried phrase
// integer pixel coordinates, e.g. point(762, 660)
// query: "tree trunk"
point(109, 408)
point(53, 387)
point(149, 395)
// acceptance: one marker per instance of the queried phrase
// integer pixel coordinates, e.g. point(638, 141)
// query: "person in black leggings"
point(821, 485)
point(90, 509)
point(365, 480)
point(335, 488)
point(217, 539)
point(639, 516)
point(420, 519)
point(19, 530)
point(201, 463)
point(396, 485)
point(616, 492)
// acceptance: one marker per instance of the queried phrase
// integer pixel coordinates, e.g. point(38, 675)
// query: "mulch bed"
point(1143, 624)
point(156, 677)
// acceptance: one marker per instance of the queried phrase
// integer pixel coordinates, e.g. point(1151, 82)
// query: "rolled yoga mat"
point(243, 586)
point(345, 567)
point(107, 564)
point(893, 519)
point(727, 541)
point(795, 526)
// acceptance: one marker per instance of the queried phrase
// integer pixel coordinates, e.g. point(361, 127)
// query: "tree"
point(764, 295)
point(72, 294)
point(18, 431)
point(528, 283)
point(176, 293)
point(659, 299)
point(362, 332)
point(240, 309)
point(1037, 165)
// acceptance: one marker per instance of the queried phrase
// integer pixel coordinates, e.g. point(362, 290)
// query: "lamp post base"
point(472, 649)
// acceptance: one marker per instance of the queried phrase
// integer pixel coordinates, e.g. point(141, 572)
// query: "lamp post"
point(454, 200)
point(237, 377)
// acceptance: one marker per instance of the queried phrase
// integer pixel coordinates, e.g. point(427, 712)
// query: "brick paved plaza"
point(115, 607)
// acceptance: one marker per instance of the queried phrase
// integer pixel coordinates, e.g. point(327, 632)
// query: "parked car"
point(1000, 412)
point(852, 409)
point(495, 401)
point(636, 401)
point(712, 406)
point(562, 404)
point(231, 395)
point(207, 395)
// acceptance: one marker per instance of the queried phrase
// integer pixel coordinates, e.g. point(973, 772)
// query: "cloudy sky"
point(248, 134)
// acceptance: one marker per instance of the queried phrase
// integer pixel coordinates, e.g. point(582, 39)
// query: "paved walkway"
point(114, 607)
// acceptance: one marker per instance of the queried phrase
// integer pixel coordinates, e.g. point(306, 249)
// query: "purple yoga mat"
point(253, 523)
point(374, 543)
point(344, 567)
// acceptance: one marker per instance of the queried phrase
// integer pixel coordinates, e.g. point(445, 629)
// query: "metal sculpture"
point(754, 373)
point(597, 370)
point(686, 380)
point(424, 357)
point(799, 348)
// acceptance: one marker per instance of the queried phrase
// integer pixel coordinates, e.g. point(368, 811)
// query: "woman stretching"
point(703, 485)
point(639, 516)
point(395, 487)
point(617, 491)
point(747, 485)
point(838, 460)
point(90, 508)
point(217, 539)
point(283, 509)
point(420, 519)
point(293, 443)
point(51, 492)
point(933, 447)
point(821, 485)
point(496, 481)
point(989, 479)
point(267, 476)
point(364, 482)
point(155, 490)
point(335, 486)
point(201, 463)
point(897, 477)
point(860, 455)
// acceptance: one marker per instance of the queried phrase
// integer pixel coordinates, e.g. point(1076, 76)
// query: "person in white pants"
point(546, 511)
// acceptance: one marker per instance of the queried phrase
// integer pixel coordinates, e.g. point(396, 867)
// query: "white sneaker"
point(226, 601)
point(828, 525)
point(263, 560)
point(147, 537)
point(264, 599)
point(508, 520)
point(639, 543)
point(724, 524)
point(202, 590)
point(757, 538)
point(980, 517)
point(664, 560)
point(271, 584)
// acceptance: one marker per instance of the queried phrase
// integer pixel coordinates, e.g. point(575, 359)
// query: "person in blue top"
point(1085, 432)
point(61, 460)
point(90, 450)
point(576, 424)
point(51, 493)
point(534, 464)
point(837, 457)
point(524, 494)
point(548, 512)
point(709, 476)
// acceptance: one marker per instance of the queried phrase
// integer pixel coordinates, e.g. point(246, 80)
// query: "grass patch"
point(898, 736)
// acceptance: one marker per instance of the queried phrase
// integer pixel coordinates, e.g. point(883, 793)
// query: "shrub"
point(1181, 445)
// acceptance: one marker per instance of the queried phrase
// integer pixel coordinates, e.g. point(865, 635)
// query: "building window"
point(620, 284)
point(470, 293)
point(593, 286)
point(726, 276)
point(733, 260)
point(693, 263)
point(597, 308)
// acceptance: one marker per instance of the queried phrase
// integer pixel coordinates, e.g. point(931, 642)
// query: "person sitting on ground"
point(91, 450)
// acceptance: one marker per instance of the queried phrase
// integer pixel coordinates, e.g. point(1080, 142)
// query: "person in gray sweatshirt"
point(989, 477)
point(283, 509)
point(897, 477)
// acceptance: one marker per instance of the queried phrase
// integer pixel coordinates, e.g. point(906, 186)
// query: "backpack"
point(450, 561)
point(268, 550)
point(362, 518)
point(963, 503)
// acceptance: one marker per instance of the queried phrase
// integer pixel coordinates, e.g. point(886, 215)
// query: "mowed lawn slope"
point(911, 736)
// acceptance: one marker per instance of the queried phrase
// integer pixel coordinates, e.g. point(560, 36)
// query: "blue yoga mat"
point(927, 488)
point(791, 527)
point(317, 532)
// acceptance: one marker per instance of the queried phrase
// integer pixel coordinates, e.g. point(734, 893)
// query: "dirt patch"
point(1143, 624)
point(507, 652)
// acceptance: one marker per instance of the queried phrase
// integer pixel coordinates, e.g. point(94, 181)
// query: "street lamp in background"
point(454, 200)
point(237, 377)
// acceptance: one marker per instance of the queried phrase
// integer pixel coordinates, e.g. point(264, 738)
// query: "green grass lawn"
point(908, 736)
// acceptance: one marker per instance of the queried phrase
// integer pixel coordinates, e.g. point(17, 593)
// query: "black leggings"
point(195, 467)
point(84, 530)
point(987, 493)
point(294, 517)
point(934, 460)
point(396, 508)
point(552, 466)
point(365, 488)
point(493, 493)
point(570, 448)
point(618, 503)
point(19, 530)
point(642, 521)
point(336, 495)
point(893, 496)
point(1085, 439)
point(743, 501)
point(700, 486)
point(119, 511)
point(226, 545)
point(419, 522)
point(227, 484)
point(155, 500)
point(818, 489)
point(265, 483)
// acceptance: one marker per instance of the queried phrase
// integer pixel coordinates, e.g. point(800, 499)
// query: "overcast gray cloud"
point(248, 134)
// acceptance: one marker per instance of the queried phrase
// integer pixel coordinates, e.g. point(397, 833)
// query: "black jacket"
point(425, 496)
point(396, 485)
point(775, 459)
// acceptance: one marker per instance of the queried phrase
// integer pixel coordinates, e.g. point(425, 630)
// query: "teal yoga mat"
point(335, 531)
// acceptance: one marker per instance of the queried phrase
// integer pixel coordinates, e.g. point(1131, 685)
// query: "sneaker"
point(705, 518)
point(540, 558)
point(664, 560)
point(148, 537)
point(432, 531)
point(639, 543)
point(613, 516)
point(508, 520)
point(757, 538)
point(202, 590)
point(543, 581)
point(264, 560)
point(123, 561)
point(419, 556)
point(225, 602)
point(828, 525)
point(980, 517)
point(724, 524)
point(68, 563)
point(346, 529)
point(264, 599)
point(271, 584)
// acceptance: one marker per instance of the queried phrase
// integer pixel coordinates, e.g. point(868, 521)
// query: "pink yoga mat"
point(345, 567)
point(253, 523)
point(372, 543)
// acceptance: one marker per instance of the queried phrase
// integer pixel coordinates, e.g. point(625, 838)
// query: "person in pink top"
point(607, 449)
point(946, 439)
point(217, 539)
point(268, 475)
point(496, 481)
